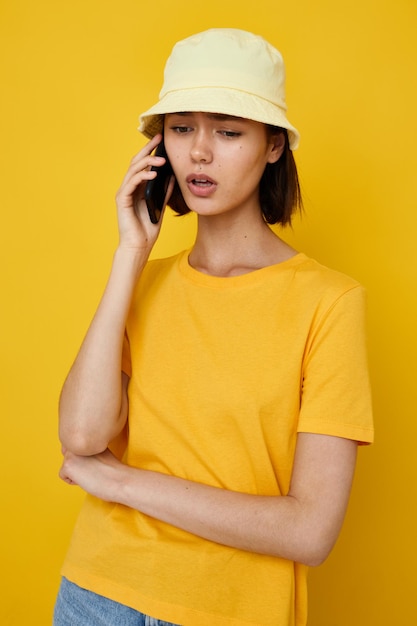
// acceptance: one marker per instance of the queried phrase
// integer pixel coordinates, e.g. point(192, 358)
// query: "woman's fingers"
point(135, 227)
point(139, 172)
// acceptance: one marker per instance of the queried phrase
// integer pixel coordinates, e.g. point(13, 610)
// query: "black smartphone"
point(155, 189)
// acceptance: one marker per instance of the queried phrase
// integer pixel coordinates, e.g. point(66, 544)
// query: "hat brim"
point(217, 100)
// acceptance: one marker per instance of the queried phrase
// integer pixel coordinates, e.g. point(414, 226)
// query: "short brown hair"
point(279, 188)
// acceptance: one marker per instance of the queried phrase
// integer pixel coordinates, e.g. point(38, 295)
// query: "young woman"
point(215, 407)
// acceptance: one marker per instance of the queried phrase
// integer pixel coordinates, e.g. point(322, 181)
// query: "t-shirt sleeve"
point(336, 396)
point(126, 359)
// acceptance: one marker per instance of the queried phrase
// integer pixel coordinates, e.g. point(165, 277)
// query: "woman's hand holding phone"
point(136, 230)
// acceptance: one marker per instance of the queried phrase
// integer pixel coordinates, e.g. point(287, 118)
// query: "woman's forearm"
point(262, 524)
point(282, 526)
point(301, 526)
point(93, 403)
point(91, 408)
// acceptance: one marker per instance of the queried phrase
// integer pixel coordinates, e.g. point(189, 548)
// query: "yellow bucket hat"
point(223, 70)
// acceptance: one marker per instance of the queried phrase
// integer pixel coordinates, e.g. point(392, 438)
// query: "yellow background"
point(74, 76)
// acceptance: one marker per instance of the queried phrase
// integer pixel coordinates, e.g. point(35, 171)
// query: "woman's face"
point(218, 160)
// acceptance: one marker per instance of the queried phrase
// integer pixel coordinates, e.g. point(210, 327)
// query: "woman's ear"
point(276, 146)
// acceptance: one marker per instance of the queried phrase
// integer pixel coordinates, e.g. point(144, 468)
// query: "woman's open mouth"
point(201, 185)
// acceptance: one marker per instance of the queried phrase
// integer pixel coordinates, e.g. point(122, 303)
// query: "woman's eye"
point(230, 133)
point(181, 129)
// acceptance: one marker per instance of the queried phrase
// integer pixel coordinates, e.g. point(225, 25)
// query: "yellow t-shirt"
point(224, 373)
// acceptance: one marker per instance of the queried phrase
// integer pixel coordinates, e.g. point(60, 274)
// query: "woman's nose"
point(201, 150)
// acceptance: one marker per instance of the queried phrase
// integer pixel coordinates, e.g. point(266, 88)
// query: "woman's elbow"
point(80, 442)
point(315, 557)
point(316, 548)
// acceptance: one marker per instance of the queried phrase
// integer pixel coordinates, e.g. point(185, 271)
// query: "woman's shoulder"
point(315, 280)
point(162, 264)
point(312, 270)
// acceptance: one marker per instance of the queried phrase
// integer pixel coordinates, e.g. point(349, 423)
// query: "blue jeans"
point(78, 607)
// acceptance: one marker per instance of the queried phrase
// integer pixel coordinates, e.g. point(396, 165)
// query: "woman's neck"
point(233, 248)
